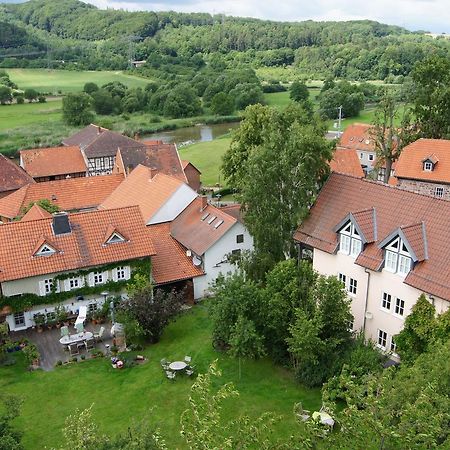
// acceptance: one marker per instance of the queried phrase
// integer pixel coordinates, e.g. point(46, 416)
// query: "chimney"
point(153, 172)
point(204, 202)
point(61, 224)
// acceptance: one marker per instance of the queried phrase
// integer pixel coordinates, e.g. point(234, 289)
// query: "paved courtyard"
point(50, 348)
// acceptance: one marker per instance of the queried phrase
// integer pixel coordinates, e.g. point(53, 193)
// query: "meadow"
point(57, 82)
point(121, 397)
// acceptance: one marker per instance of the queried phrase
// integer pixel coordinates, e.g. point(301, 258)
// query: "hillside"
point(83, 36)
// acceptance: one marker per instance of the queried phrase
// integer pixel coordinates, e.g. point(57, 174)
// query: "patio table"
point(177, 366)
point(74, 338)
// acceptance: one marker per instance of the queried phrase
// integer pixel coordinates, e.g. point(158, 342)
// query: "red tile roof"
point(69, 195)
point(395, 209)
point(45, 162)
point(185, 163)
point(410, 162)
point(357, 136)
point(162, 157)
point(170, 263)
point(142, 187)
point(83, 247)
point(199, 235)
point(12, 177)
point(36, 213)
point(233, 210)
point(85, 136)
point(345, 160)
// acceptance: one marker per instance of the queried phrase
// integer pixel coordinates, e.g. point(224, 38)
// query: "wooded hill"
point(83, 35)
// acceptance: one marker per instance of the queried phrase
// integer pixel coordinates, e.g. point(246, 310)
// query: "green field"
point(12, 116)
point(64, 81)
point(207, 157)
point(118, 397)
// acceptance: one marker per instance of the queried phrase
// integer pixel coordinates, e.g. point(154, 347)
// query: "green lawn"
point(207, 157)
point(14, 115)
point(63, 81)
point(118, 397)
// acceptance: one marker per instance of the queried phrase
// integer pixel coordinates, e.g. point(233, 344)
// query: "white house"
point(210, 235)
point(386, 245)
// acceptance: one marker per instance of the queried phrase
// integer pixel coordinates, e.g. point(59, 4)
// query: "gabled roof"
point(80, 248)
point(199, 235)
point(144, 188)
point(112, 232)
point(170, 263)
point(410, 163)
point(233, 210)
point(162, 157)
point(69, 195)
point(45, 162)
point(365, 222)
point(12, 177)
point(345, 160)
point(357, 136)
point(395, 209)
point(85, 136)
point(36, 213)
point(185, 163)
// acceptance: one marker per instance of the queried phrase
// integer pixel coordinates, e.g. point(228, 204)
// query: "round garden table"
point(177, 366)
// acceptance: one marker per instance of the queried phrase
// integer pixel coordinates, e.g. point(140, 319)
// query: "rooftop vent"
point(204, 216)
point(217, 225)
point(210, 221)
point(61, 224)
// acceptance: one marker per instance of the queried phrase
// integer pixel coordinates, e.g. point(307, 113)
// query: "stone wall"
point(424, 187)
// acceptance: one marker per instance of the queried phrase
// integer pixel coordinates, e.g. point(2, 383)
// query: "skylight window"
point(115, 238)
point(45, 250)
point(205, 216)
point(217, 225)
point(213, 218)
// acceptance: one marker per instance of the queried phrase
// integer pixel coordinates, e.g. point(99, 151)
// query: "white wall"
point(364, 159)
point(383, 281)
point(217, 253)
point(177, 203)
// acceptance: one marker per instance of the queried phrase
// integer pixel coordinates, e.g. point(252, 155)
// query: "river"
point(189, 135)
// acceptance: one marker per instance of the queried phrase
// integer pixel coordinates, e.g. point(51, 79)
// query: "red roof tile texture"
point(199, 235)
point(83, 247)
point(144, 188)
point(36, 213)
point(357, 136)
point(345, 160)
point(395, 209)
point(69, 195)
point(46, 162)
point(410, 163)
point(366, 219)
point(170, 263)
point(12, 177)
point(162, 157)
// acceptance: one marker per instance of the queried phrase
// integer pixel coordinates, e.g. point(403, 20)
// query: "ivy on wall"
point(26, 301)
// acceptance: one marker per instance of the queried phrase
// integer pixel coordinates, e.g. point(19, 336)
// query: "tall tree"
point(76, 109)
point(389, 136)
point(299, 92)
point(276, 163)
point(431, 97)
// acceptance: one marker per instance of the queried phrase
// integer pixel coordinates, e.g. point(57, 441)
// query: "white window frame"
point(439, 191)
point(45, 250)
point(343, 279)
point(393, 347)
point(100, 278)
point(350, 242)
point(396, 258)
point(352, 286)
point(48, 285)
point(382, 337)
point(371, 156)
point(386, 298)
point(399, 307)
point(19, 319)
point(428, 166)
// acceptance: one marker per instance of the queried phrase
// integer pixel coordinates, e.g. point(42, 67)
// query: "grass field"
point(12, 116)
point(63, 81)
point(207, 157)
point(118, 397)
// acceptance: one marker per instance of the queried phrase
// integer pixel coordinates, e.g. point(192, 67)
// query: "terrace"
point(51, 350)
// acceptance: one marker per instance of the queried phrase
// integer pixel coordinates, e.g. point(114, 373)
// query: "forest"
point(74, 35)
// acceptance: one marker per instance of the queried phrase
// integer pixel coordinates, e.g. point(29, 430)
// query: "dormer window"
point(115, 238)
point(45, 250)
point(428, 166)
point(349, 240)
point(397, 258)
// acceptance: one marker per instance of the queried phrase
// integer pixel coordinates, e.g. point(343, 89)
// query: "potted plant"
point(61, 315)
point(31, 354)
point(51, 320)
point(39, 320)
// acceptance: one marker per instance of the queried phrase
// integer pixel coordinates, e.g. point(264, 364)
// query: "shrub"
point(20, 100)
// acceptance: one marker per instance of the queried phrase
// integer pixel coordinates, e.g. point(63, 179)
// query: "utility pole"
point(339, 120)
